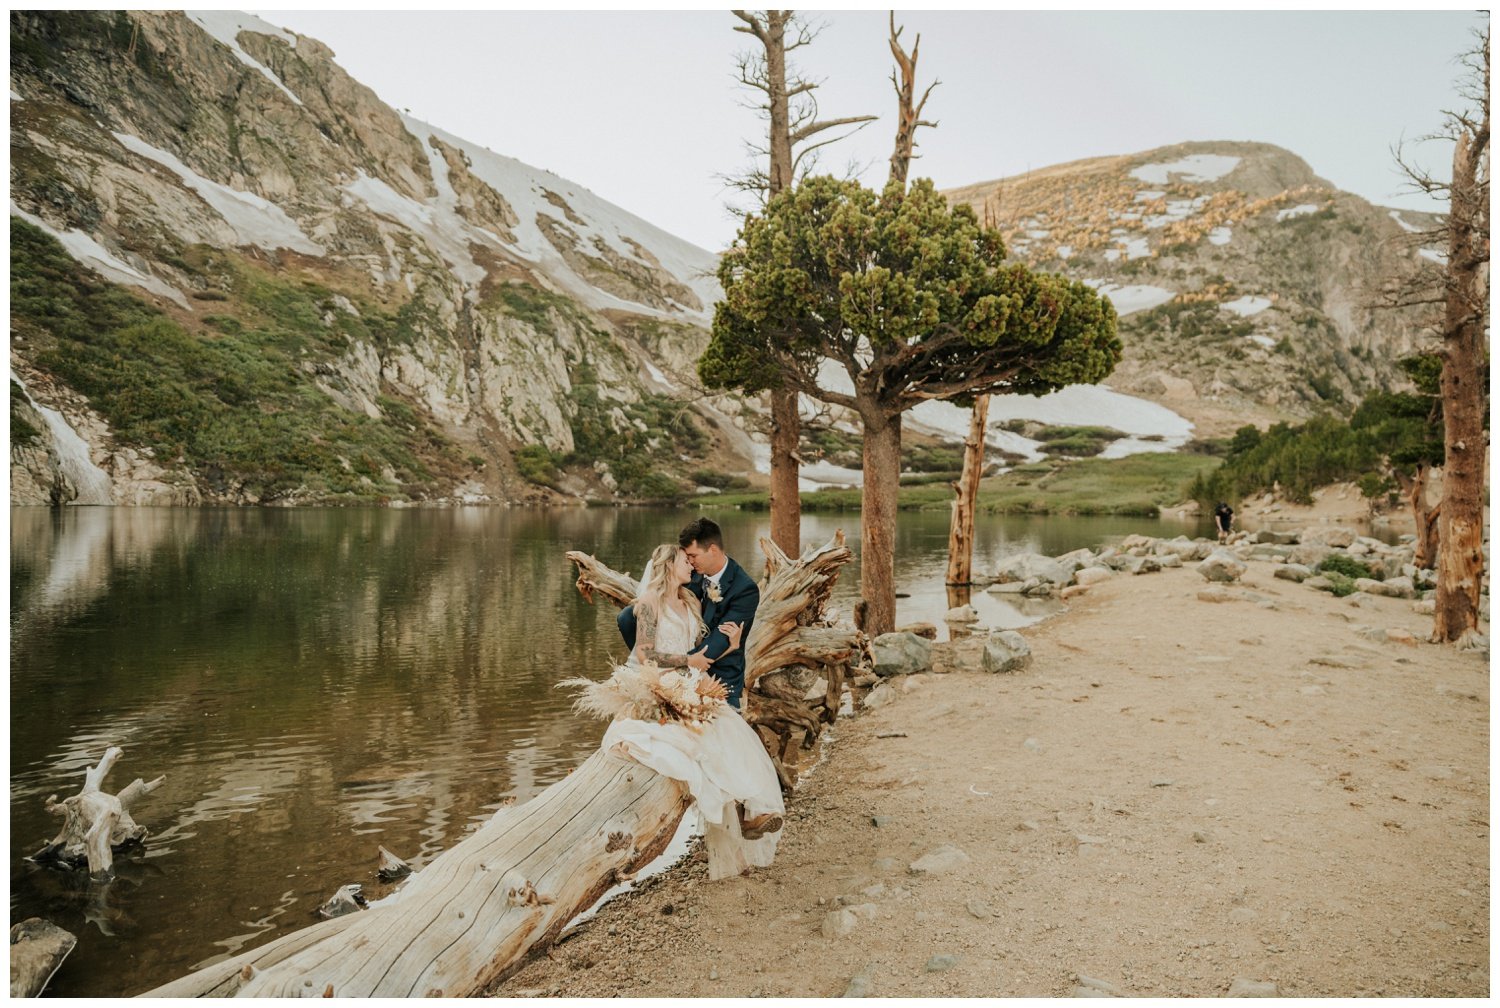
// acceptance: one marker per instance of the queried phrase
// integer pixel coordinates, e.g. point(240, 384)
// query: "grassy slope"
point(230, 399)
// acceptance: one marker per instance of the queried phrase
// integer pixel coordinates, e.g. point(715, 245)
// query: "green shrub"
point(536, 464)
point(1345, 565)
point(1339, 585)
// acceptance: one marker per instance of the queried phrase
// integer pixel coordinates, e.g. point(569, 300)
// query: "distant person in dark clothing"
point(1223, 519)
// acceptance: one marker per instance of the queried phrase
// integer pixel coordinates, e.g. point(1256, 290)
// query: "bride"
point(711, 750)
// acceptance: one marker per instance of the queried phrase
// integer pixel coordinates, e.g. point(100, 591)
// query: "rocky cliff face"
point(1246, 284)
point(442, 320)
point(238, 277)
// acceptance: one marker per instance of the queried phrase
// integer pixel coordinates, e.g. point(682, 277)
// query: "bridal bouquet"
point(649, 693)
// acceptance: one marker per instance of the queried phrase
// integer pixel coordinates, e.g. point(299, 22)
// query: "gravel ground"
point(1178, 797)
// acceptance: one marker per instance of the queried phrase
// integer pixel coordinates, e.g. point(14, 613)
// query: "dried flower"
point(648, 693)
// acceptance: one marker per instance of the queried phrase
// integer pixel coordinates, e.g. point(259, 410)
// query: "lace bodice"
point(670, 637)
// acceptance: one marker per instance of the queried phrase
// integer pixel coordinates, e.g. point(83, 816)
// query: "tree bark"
point(1460, 568)
point(961, 531)
point(908, 109)
point(469, 918)
point(786, 496)
point(1414, 488)
point(882, 471)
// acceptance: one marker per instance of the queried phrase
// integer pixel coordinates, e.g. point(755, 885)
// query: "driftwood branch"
point(95, 823)
point(470, 917)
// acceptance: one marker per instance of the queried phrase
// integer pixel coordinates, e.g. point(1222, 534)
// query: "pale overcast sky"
point(645, 110)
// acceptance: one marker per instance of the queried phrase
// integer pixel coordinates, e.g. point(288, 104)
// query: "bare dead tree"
point(1462, 289)
point(788, 101)
point(908, 111)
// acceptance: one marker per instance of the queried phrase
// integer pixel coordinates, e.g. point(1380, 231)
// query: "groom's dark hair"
point(703, 531)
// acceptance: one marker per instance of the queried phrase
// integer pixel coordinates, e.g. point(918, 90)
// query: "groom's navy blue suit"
point(738, 598)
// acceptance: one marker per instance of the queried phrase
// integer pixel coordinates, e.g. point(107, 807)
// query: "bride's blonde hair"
point(659, 584)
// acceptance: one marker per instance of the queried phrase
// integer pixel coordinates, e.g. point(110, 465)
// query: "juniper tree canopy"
point(911, 300)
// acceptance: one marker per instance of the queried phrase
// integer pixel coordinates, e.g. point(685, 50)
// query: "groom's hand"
point(699, 661)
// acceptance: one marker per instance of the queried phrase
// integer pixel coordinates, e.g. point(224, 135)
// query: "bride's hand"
point(733, 632)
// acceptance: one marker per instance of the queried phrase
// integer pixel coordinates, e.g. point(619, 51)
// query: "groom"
point(728, 595)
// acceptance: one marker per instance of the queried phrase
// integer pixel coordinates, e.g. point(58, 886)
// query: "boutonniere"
point(713, 591)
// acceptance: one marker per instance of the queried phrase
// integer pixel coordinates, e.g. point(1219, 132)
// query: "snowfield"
point(1247, 305)
point(255, 220)
point(1132, 298)
point(1300, 210)
point(1193, 168)
point(226, 27)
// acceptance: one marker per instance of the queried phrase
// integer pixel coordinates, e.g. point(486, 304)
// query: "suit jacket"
point(738, 599)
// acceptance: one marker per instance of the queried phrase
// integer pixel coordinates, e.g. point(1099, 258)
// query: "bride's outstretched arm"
point(645, 641)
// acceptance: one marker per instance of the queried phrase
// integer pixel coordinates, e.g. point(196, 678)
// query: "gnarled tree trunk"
point(877, 562)
point(1460, 568)
point(961, 531)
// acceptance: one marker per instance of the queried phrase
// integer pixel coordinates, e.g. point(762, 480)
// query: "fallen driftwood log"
point(468, 918)
point(96, 824)
point(796, 660)
point(37, 948)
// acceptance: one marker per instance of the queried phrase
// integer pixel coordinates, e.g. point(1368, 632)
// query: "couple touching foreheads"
point(693, 614)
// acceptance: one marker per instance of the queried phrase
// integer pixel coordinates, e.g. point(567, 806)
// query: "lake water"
point(318, 683)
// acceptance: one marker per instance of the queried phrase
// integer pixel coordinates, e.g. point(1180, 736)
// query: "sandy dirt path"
point(1175, 795)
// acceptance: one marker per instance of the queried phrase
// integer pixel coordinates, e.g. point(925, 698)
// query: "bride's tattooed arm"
point(645, 637)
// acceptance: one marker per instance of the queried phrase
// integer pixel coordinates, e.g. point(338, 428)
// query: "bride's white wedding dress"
point(722, 763)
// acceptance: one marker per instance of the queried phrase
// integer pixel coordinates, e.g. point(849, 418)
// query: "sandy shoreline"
point(1176, 795)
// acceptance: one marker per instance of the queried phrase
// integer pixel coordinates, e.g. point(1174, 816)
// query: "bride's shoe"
point(758, 826)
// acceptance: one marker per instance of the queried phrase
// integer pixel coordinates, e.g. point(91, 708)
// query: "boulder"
point(1395, 588)
point(1265, 551)
point(1025, 566)
point(961, 614)
point(1140, 565)
point(901, 653)
point(1073, 591)
point(1328, 535)
point(1293, 572)
point(1166, 560)
point(1181, 547)
point(1221, 565)
point(1005, 651)
point(1309, 554)
point(1278, 538)
point(1092, 575)
point(1076, 559)
point(927, 630)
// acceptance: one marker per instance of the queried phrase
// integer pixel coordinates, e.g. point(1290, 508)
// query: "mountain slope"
point(438, 318)
point(1246, 283)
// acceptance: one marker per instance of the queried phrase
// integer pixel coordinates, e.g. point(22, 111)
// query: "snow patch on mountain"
point(524, 188)
point(1247, 305)
point(1300, 210)
point(92, 483)
point(1193, 168)
point(226, 27)
point(1220, 236)
point(257, 221)
point(1133, 297)
point(1396, 216)
point(1436, 255)
point(96, 257)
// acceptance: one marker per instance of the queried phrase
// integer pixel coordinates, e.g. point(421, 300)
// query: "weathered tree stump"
point(37, 949)
point(391, 867)
point(469, 918)
point(96, 824)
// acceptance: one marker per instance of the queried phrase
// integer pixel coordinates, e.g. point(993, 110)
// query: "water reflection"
point(315, 684)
